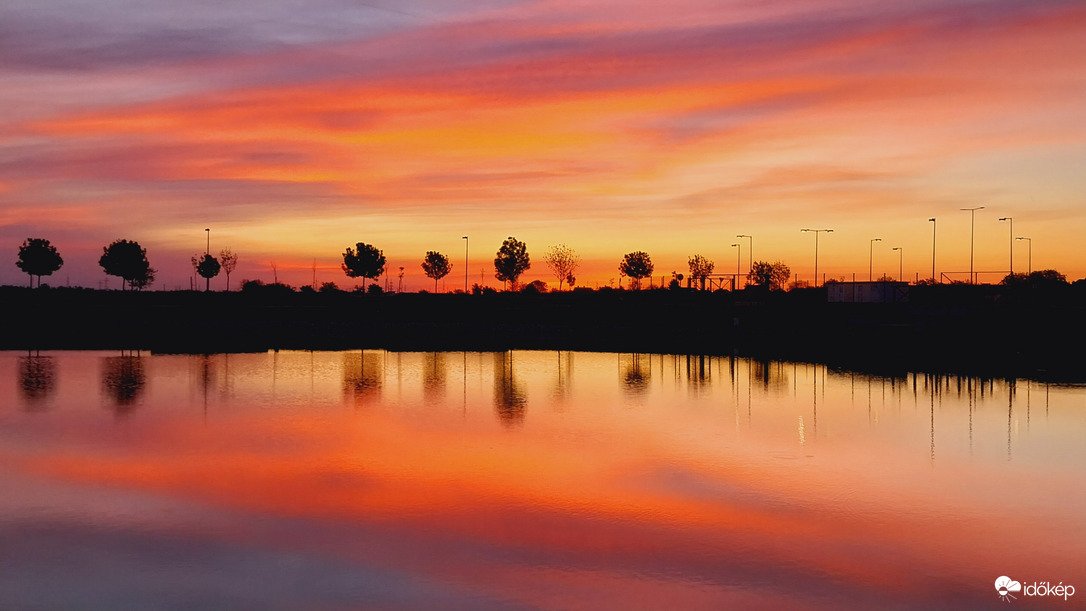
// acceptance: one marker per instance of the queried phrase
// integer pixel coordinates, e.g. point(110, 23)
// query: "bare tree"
point(229, 260)
point(563, 261)
point(700, 268)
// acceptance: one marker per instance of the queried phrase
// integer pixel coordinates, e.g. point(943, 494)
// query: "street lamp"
point(932, 219)
point(816, 232)
point(465, 263)
point(1029, 241)
point(900, 255)
point(1010, 220)
point(972, 217)
point(738, 260)
point(750, 250)
point(207, 251)
point(871, 256)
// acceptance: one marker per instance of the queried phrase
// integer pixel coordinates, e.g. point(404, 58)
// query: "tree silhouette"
point(636, 265)
point(208, 267)
point(37, 257)
point(512, 260)
point(700, 268)
point(563, 261)
point(436, 266)
point(229, 261)
point(773, 276)
point(363, 261)
point(128, 261)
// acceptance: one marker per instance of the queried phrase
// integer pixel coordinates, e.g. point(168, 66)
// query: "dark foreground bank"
point(983, 329)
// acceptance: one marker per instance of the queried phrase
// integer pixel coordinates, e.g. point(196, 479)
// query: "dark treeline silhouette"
point(986, 328)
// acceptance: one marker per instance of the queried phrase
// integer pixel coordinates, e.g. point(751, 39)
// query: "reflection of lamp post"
point(900, 255)
point(871, 256)
point(750, 250)
point(972, 217)
point(738, 260)
point(816, 232)
point(1029, 241)
point(465, 264)
point(932, 219)
point(1010, 220)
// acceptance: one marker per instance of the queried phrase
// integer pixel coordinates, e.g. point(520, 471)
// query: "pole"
point(738, 262)
point(900, 255)
point(750, 250)
point(932, 219)
point(1029, 242)
point(972, 224)
point(1011, 222)
point(816, 232)
point(871, 256)
point(465, 264)
point(207, 250)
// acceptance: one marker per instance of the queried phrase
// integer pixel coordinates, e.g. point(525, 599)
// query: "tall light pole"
point(871, 256)
point(900, 255)
point(932, 219)
point(1029, 241)
point(1010, 220)
point(750, 250)
point(738, 262)
point(816, 232)
point(207, 251)
point(465, 263)
point(972, 217)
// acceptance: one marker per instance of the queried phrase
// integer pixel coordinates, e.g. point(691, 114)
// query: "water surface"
point(528, 480)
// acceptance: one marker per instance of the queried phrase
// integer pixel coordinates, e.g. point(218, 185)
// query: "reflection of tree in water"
point(636, 373)
point(509, 400)
point(362, 374)
point(433, 376)
point(123, 379)
point(699, 372)
point(562, 384)
point(37, 379)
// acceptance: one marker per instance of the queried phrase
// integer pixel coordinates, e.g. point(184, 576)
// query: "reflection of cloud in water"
point(37, 380)
point(509, 399)
point(363, 373)
point(123, 380)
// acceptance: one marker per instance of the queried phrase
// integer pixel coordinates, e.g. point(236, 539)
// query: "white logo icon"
point(1004, 585)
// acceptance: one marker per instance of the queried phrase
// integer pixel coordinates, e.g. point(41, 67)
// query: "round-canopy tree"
point(636, 265)
point(208, 267)
point(436, 266)
point(128, 261)
point(363, 261)
point(563, 261)
point(37, 257)
point(512, 260)
point(773, 276)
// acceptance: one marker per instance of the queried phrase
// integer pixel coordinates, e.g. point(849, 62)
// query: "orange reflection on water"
point(695, 486)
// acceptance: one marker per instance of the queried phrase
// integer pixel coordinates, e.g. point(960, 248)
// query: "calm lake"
point(529, 480)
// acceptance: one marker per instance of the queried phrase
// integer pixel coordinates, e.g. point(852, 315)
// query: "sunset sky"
point(294, 129)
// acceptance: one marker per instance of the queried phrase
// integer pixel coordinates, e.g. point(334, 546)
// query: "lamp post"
point(1010, 220)
point(900, 255)
point(932, 219)
point(972, 217)
point(207, 250)
point(816, 232)
point(738, 262)
point(871, 256)
point(750, 250)
point(465, 263)
point(1029, 241)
